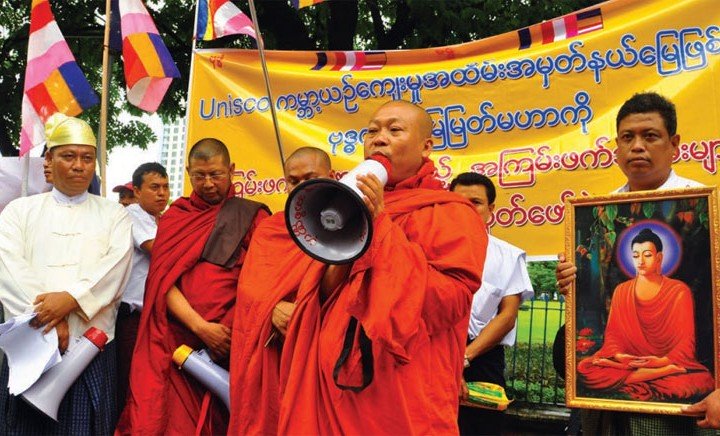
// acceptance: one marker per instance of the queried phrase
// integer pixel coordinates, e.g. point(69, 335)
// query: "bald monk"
point(265, 303)
point(376, 346)
point(198, 252)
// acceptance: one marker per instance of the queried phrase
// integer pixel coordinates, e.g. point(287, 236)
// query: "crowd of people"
point(385, 344)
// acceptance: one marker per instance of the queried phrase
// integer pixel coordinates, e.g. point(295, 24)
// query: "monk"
point(643, 354)
point(198, 252)
point(271, 275)
point(376, 346)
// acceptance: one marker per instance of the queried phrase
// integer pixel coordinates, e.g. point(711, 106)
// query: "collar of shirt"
point(67, 200)
point(670, 183)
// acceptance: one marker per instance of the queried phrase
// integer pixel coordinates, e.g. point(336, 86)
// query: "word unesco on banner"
point(673, 52)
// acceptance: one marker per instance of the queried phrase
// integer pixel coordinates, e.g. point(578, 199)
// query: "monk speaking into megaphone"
point(389, 326)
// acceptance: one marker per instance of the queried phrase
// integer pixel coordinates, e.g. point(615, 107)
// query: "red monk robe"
point(411, 292)
point(273, 271)
point(661, 326)
point(162, 399)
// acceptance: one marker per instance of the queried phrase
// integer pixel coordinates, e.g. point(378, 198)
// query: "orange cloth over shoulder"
point(663, 326)
point(410, 295)
point(273, 270)
point(161, 399)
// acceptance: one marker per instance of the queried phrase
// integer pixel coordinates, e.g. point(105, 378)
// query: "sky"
point(122, 161)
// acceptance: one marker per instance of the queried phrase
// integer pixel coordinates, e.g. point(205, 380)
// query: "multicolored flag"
point(350, 60)
point(53, 80)
point(149, 68)
point(298, 4)
point(218, 18)
point(561, 28)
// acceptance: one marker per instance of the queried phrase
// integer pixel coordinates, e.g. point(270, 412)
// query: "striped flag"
point(561, 28)
point(350, 60)
point(53, 80)
point(149, 68)
point(299, 4)
point(218, 18)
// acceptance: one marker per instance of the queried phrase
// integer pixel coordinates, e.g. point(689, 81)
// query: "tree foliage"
point(334, 25)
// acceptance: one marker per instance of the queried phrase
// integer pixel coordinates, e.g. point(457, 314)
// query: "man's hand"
point(217, 338)
point(281, 314)
point(51, 308)
point(565, 274)
point(63, 332)
point(709, 407)
point(464, 392)
point(372, 189)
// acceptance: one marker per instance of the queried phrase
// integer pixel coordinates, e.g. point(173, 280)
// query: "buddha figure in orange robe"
point(649, 347)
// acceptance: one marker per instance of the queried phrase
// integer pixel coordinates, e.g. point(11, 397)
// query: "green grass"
point(542, 328)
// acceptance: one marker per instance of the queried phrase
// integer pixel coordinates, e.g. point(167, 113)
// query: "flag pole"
point(102, 129)
point(261, 50)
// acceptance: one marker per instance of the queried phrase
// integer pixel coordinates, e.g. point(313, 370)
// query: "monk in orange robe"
point(376, 346)
point(270, 278)
point(198, 252)
point(649, 347)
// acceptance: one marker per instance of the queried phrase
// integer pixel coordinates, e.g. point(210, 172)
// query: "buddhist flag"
point(218, 18)
point(297, 4)
point(53, 80)
point(350, 60)
point(561, 28)
point(149, 68)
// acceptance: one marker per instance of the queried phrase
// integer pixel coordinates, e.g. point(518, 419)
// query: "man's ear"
point(427, 147)
point(491, 207)
point(675, 141)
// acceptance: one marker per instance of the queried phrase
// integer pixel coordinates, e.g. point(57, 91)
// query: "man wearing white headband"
point(66, 255)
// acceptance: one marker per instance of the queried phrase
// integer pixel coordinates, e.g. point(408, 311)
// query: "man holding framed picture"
point(647, 144)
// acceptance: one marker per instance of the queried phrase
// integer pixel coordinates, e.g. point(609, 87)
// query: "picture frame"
point(643, 313)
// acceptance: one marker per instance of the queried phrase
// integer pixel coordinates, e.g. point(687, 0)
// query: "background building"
point(172, 155)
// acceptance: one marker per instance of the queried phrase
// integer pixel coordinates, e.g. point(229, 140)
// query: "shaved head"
point(304, 164)
point(308, 153)
point(423, 118)
point(207, 148)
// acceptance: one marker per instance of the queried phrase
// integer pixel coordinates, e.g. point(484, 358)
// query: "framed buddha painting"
point(642, 334)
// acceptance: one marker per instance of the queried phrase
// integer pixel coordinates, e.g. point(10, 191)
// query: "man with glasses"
point(190, 298)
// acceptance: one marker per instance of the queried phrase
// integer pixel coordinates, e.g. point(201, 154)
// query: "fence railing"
point(529, 370)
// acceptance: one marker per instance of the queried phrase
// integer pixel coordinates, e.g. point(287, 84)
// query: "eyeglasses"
point(214, 177)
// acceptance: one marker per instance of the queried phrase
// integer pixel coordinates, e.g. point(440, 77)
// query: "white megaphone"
point(46, 394)
point(328, 219)
point(200, 365)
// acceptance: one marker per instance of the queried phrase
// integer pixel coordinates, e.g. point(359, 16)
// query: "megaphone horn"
point(199, 364)
point(328, 219)
point(47, 393)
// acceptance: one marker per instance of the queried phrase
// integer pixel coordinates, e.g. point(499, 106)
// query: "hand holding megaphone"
point(329, 219)
point(47, 393)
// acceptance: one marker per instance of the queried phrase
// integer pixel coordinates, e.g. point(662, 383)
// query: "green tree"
point(334, 25)
point(542, 276)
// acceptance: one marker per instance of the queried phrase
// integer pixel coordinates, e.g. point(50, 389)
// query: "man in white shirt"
point(65, 255)
point(151, 190)
point(505, 284)
point(647, 144)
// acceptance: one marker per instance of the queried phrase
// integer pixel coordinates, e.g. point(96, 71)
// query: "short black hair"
point(647, 235)
point(647, 102)
point(470, 179)
point(147, 168)
point(207, 148)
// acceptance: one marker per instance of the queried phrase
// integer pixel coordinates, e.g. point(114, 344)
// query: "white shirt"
point(673, 182)
point(505, 273)
point(144, 228)
point(51, 242)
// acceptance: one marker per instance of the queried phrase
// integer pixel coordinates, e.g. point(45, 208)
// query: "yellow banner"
point(533, 109)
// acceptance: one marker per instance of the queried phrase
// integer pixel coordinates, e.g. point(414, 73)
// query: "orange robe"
point(163, 400)
point(410, 294)
point(273, 270)
point(661, 326)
